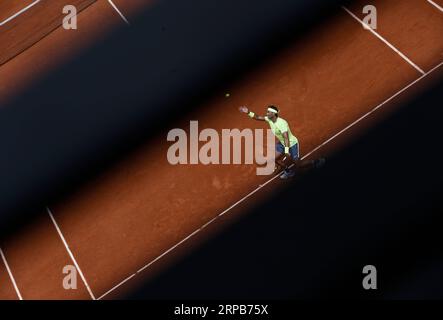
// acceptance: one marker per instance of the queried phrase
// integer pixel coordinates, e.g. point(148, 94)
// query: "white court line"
point(270, 180)
point(385, 41)
point(375, 109)
point(70, 253)
point(19, 13)
point(116, 286)
point(435, 5)
point(10, 275)
point(118, 11)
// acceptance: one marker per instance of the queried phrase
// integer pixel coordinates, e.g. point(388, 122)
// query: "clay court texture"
point(139, 217)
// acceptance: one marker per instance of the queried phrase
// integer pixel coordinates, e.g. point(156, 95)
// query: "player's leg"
point(280, 155)
point(294, 155)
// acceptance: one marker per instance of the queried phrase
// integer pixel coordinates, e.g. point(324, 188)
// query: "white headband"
point(272, 110)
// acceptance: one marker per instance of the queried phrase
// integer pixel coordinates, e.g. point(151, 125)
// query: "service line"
point(71, 255)
point(435, 5)
point(19, 12)
point(118, 11)
point(11, 276)
point(401, 54)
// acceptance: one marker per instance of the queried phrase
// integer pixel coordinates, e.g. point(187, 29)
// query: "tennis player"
point(287, 146)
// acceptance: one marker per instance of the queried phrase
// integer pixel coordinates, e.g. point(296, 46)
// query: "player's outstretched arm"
point(251, 114)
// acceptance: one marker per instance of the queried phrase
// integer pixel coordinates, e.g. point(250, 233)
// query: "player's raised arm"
point(251, 114)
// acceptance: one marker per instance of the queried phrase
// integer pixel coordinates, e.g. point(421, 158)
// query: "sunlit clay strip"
point(19, 13)
point(269, 181)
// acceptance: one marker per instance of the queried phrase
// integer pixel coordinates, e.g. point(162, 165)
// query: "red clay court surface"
point(124, 226)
